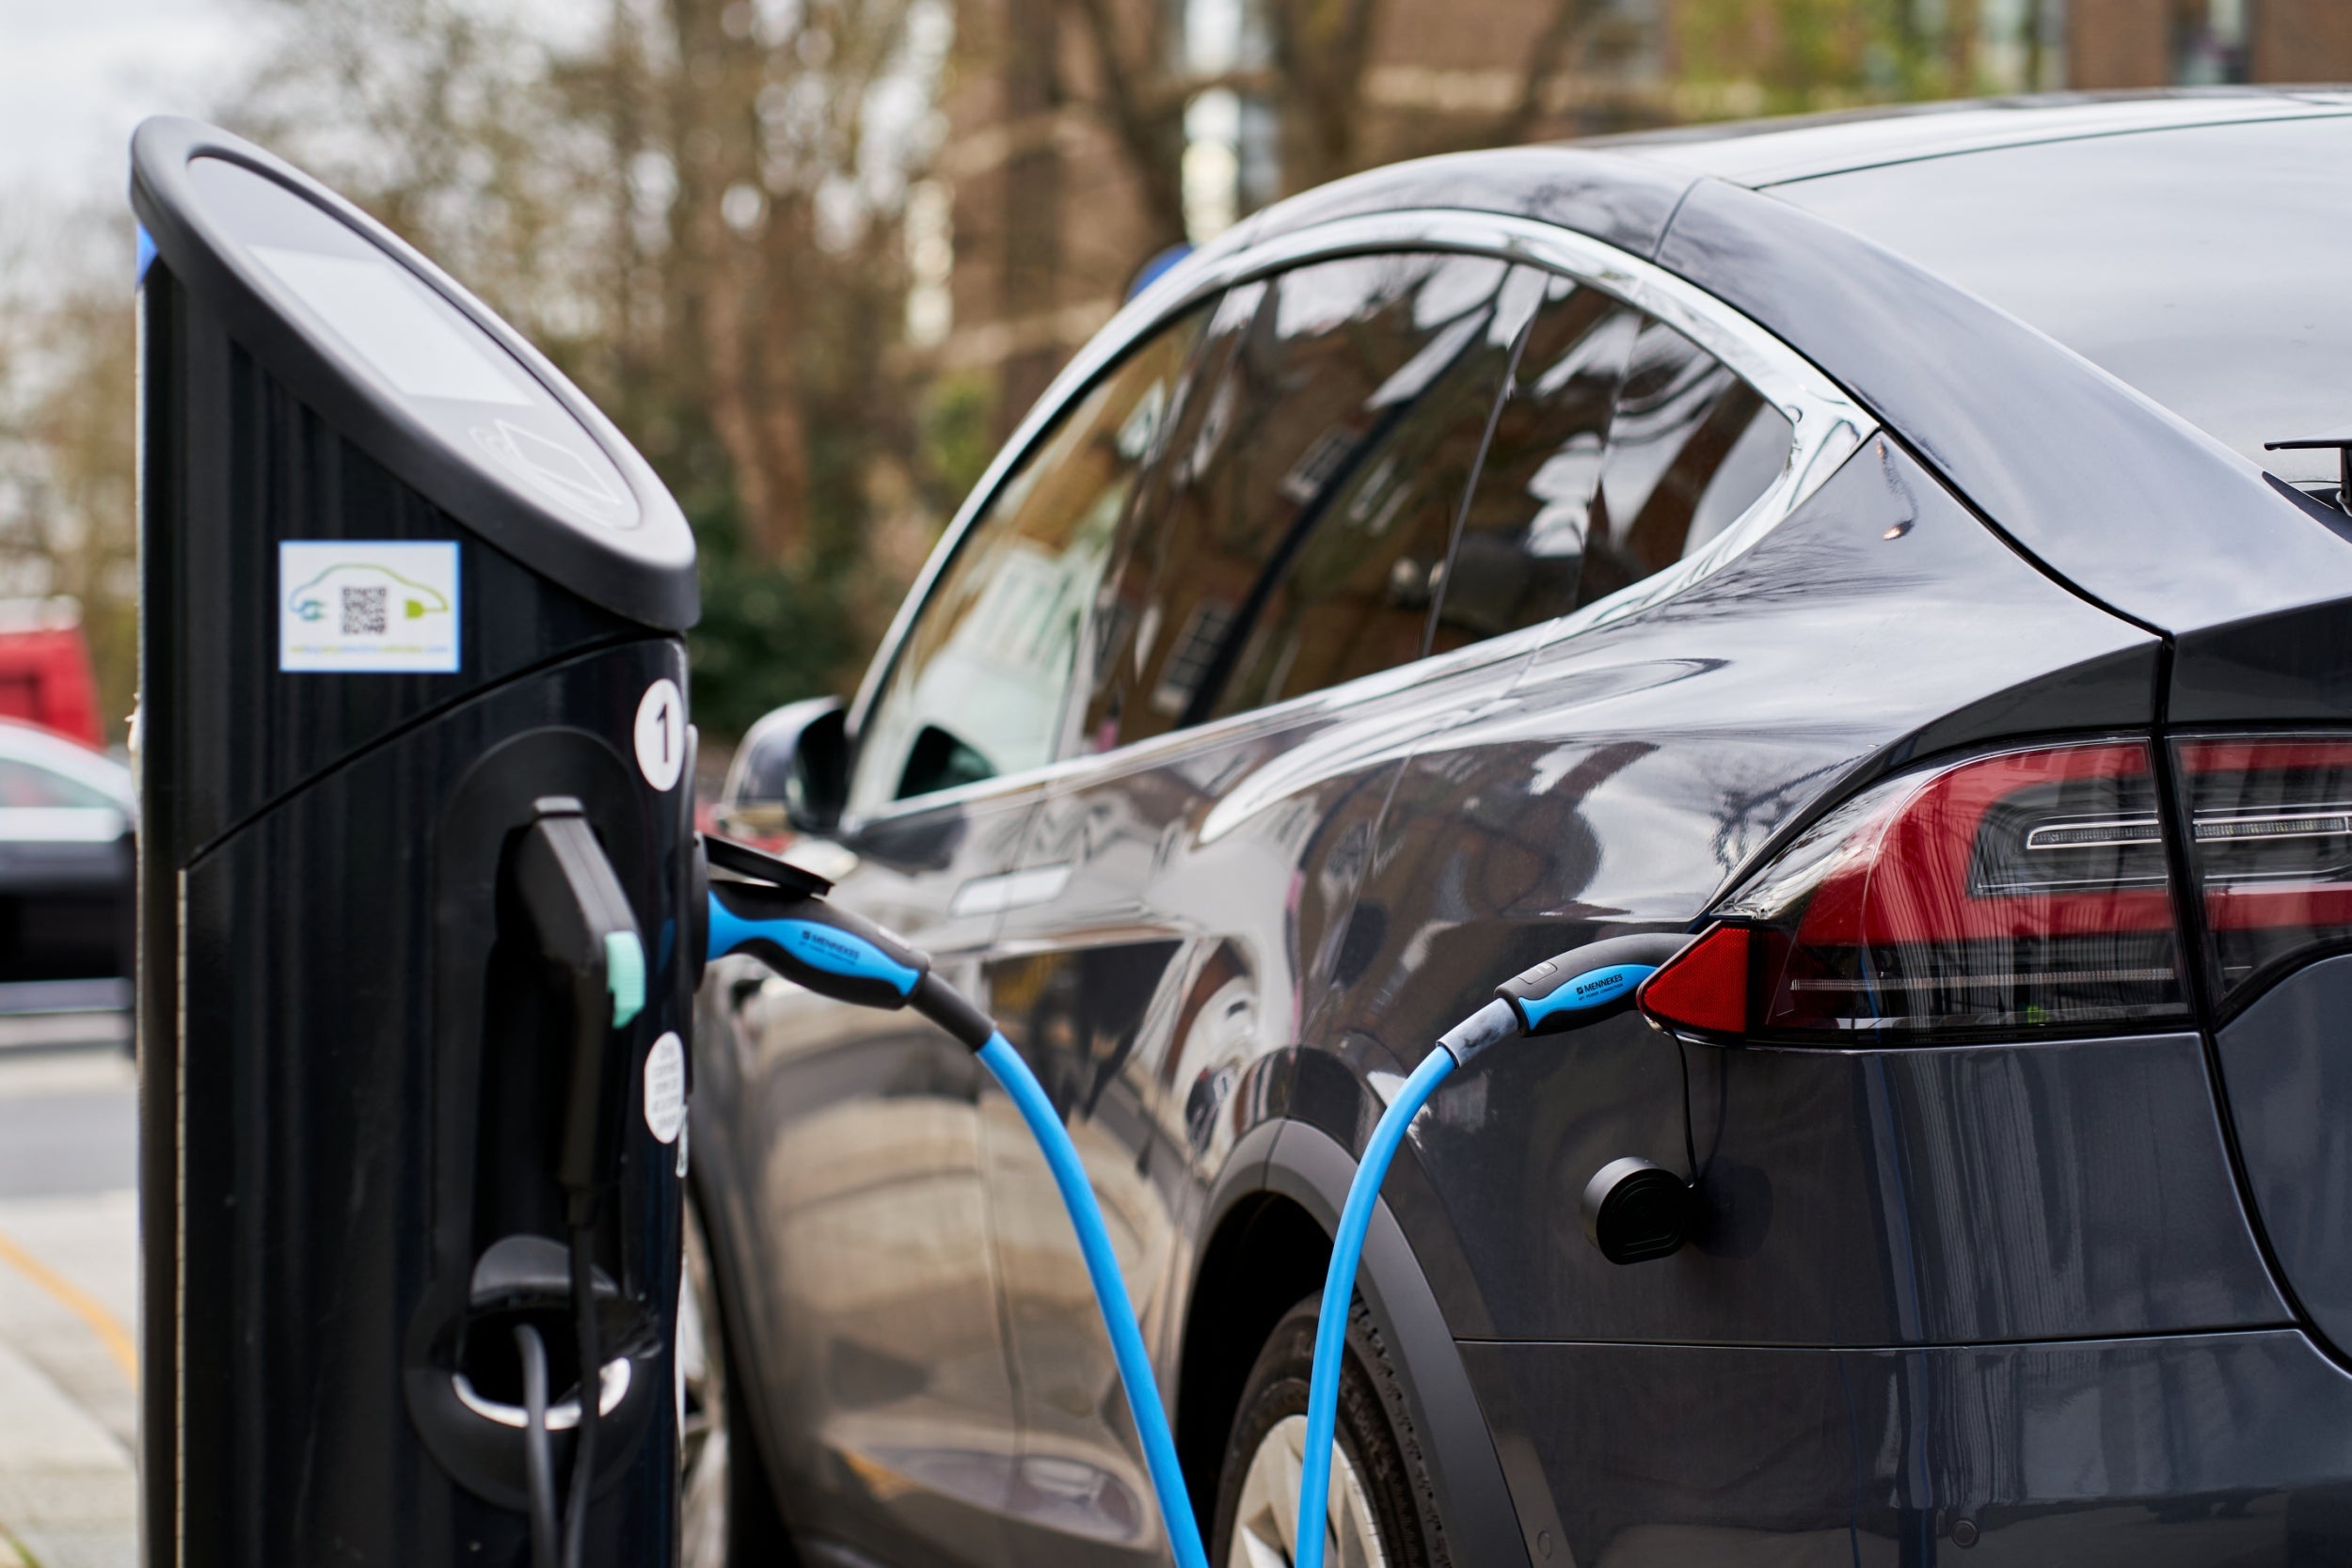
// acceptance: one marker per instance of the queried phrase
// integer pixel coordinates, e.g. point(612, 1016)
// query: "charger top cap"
point(413, 369)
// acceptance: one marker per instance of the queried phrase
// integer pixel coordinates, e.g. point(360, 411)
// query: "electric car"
point(1905, 553)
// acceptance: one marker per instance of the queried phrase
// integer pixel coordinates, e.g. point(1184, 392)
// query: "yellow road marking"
point(78, 1301)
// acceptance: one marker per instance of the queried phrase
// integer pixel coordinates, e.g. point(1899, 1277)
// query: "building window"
point(2021, 45)
point(1230, 151)
point(2208, 41)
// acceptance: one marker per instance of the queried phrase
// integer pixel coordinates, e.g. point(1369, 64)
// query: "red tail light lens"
point(2270, 831)
point(2020, 891)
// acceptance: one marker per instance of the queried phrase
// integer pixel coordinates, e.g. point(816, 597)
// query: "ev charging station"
point(414, 960)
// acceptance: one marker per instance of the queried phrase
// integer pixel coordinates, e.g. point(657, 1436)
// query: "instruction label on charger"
point(665, 1089)
point(354, 606)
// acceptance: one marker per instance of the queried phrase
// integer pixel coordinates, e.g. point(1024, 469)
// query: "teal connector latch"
point(625, 975)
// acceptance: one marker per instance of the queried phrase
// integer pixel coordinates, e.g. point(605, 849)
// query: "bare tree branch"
point(1571, 19)
point(1147, 116)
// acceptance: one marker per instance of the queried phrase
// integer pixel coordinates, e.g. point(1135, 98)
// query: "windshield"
point(2211, 268)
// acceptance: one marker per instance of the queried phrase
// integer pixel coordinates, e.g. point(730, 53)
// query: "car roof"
point(2066, 458)
point(60, 754)
point(1759, 153)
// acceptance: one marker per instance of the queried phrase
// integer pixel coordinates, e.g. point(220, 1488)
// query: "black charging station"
point(417, 843)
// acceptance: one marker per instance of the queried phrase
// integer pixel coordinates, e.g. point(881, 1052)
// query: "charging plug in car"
point(1633, 1209)
point(772, 910)
point(776, 913)
point(1572, 991)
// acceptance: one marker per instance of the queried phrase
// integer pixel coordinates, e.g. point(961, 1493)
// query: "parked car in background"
point(1860, 541)
point(68, 866)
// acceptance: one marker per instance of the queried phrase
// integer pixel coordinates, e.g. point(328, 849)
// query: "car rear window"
point(2210, 268)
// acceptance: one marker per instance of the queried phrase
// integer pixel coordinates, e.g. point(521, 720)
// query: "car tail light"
point(2026, 891)
point(2270, 842)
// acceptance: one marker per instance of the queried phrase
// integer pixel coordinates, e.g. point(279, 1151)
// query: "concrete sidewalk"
point(68, 1291)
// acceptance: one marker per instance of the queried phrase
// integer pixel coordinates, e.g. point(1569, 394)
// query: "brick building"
point(1088, 135)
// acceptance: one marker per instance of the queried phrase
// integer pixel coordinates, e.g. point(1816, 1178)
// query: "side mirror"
point(790, 775)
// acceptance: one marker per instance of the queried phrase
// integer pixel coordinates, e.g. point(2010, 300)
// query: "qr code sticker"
point(363, 612)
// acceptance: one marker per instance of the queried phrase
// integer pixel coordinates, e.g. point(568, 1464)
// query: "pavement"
point(69, 1294)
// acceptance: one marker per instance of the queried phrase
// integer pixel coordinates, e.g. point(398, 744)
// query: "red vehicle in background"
point(45, 675)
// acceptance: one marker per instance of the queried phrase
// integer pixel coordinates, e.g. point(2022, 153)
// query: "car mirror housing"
point(790, 775)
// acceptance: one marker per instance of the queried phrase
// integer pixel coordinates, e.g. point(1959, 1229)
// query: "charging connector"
point(1574, 990)
point(775, 914)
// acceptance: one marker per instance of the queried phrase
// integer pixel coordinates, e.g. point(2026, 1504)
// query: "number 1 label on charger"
point(661, 733)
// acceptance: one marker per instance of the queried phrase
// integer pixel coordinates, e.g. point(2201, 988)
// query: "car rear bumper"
point(2179, 1451)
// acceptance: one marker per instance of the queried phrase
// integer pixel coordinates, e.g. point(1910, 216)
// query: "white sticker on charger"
point(665, 1089)
point(661, 734)
point(360, 606)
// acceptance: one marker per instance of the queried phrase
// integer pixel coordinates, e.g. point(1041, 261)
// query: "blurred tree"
point(697, 206)
point(1307, 62)
point(693, 206)
point(67, 370)
point(1788, 57)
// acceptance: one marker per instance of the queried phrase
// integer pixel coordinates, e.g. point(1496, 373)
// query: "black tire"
point(1375, 1435)
point(728, 1515)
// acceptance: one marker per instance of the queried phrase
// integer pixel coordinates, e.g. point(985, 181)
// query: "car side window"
point(979, 683)
point(1520, 552)
point(1691, 447)
point(1299, 520)
point(1623, 448)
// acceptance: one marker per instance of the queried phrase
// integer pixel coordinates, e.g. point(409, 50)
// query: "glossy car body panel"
point(2037, 231)
point(1623, 783)
point(1978, 1192)
point(1769, 152)
point(1625, 201)
point(853, 1153)
point(1195, 919)
point(2059, 455)
point(2196, 1448)
point(2289, 1079)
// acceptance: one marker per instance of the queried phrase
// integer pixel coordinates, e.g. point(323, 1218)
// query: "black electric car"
point(1858, 542)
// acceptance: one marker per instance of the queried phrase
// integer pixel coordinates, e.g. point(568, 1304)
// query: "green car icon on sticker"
point(368, 605)
point(403, 599)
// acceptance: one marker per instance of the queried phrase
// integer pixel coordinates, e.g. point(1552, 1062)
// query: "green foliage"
point(770, 632)
point(1745, 58)
point(681, 204)
point(958, 421)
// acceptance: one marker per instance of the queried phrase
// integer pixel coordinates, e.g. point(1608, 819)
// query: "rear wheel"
point(728, 1519)
point(1382, 1510)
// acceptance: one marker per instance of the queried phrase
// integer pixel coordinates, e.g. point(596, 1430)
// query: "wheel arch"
point(1269, 1225)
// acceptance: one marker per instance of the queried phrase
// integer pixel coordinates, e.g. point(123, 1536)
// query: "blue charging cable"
point(784, 920)
point(787, 925)
point(1578, 988)
point(1111, 1298)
